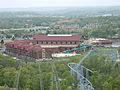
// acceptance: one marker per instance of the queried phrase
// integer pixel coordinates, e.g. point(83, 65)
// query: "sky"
point(55, 3)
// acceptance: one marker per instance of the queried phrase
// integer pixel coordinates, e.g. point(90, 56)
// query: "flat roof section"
point(59, 35)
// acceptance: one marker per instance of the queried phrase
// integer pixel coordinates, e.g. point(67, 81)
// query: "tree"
point(48, 32)
point(2, 42)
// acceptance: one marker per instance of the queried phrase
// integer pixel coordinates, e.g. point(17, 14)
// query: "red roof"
point(36, 48)
point(57, 38)
point(23, 41)
point(22, 44)
point(9, 44)
point(25, 44)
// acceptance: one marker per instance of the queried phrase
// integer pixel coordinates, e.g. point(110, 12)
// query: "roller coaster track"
point(111, 53)
point(82, 72)
point(78, 69)
point(41, 81)
point(54, 76)
point(17, 79)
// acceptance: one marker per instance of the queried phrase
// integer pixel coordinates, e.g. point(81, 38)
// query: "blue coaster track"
point(82, 72)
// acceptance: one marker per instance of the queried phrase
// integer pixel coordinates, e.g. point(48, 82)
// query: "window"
point(63, 42)
point(73, 42)
point(40, 42)
point(58, 42)
point(49, 42)
point(44, 42)
point(54, 42)
point(37, 42)
point(68, 42)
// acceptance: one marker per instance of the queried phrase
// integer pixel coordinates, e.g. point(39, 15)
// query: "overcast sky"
point(54, 3)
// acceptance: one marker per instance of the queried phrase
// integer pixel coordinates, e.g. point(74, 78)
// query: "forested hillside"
point(105, 76)
point(106, 27)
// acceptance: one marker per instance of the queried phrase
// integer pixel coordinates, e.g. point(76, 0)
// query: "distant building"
point(72, 26)
point(115, 36)
point(98, 41)
point(105, 15)
point(92, 26)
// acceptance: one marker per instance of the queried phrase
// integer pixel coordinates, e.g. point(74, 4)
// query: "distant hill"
point(63, 11)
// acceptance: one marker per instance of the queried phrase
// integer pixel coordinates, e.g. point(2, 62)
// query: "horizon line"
point(59, 7)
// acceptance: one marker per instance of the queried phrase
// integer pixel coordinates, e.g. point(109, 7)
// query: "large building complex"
point(43, 46)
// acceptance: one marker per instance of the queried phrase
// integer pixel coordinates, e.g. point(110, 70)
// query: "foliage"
point(105, 76)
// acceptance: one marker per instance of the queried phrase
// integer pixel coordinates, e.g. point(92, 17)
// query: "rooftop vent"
point(59, 35)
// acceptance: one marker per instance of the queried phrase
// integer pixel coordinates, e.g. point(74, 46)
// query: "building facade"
point(43, 46)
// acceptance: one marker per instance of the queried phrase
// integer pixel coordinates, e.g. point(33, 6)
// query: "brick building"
point(42, 46)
